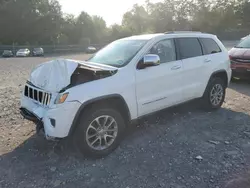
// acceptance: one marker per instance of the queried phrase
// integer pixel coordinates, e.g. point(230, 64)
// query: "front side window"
point(118, 53)
point(209, 46)
point(165, 50)
point(189, 47)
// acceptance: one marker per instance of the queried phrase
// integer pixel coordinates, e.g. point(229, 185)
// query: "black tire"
point(206, 99)
point(79, 137)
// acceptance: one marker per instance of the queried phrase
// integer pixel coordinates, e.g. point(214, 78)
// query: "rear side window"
point(189, 47)
point(209, 46)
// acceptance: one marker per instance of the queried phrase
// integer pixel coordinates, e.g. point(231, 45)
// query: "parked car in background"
point(23, 52)
point(240, 59)
point(93, 102)
point(244, 37)
point(7, 53)
point(91, 50)
point(38, 52)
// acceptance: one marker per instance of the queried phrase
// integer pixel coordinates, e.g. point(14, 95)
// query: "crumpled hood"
point(55, 75)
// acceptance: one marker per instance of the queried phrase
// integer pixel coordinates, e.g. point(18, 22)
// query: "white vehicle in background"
point(94, 101)
point(245, 37)
point(23, 52)
point(91, 49)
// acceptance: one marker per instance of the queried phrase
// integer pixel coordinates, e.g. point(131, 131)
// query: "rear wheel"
point(214, 95)
point(99, 132)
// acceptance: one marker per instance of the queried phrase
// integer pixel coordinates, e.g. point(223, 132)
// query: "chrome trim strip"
point(154, 100)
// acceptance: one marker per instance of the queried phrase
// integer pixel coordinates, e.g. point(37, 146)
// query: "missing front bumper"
point(32, 117)
point(39, 124)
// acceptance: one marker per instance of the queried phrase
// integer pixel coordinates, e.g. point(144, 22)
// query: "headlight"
point(61, 98)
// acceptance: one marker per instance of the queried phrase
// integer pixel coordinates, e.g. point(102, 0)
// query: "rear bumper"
point(21, 55)
point(37, 54)
point(7, 55)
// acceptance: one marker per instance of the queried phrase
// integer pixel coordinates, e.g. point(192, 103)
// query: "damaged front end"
point(57, 75)
point(32, 117)
point(87, 72)
point(44, 96)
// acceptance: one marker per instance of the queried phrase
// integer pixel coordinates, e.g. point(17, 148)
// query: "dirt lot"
point(179, 147)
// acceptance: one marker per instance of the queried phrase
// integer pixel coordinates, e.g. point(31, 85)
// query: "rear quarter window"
point(189, 47)
point(209, 46)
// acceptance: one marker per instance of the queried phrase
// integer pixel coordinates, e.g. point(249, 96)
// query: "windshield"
point(244, 44)
point(118, 53)
point(22, 50)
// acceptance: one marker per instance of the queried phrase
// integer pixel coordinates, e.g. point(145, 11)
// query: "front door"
point(159, 86)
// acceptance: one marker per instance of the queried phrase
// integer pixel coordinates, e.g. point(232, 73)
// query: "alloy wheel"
point(216, 94)
point(101, 132)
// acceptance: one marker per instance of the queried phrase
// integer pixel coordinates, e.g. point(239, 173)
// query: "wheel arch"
point(219, 74)
point(112, 100)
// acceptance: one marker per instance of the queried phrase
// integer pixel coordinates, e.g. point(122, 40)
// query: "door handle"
point(207, 60)
point(176, 67)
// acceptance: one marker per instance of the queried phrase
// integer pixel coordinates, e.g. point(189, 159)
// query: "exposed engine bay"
point(84, 73)
point(59, 75)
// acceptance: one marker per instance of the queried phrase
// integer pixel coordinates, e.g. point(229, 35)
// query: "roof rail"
point(173, 32)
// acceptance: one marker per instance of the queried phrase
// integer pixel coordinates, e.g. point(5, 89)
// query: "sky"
point(110, 10)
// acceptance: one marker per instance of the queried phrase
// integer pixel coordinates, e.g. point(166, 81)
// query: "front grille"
point(37, 95)
point(239, 60)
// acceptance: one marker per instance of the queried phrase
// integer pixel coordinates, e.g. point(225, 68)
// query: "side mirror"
point(149, 60)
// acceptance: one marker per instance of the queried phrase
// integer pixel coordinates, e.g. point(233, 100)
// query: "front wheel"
point(214, 95)
point(99, 131)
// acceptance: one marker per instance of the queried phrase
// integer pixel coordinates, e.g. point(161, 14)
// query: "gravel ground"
point(179, 147)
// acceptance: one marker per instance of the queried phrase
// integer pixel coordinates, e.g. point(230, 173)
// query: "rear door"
point(158, 87)
point(193, 73)
point(213, 56)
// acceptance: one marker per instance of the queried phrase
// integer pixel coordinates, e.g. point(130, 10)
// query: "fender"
point(221, 71)
point(218, 72)
point(74, 123)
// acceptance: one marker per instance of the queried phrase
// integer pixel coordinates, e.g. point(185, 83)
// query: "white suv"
point(93, 101)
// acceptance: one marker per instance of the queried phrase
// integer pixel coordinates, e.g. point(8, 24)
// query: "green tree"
point(136, 20)
point(42, 21)
point(84, 27)
point(100, 29)
point(68, 30)
point(30, 21)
